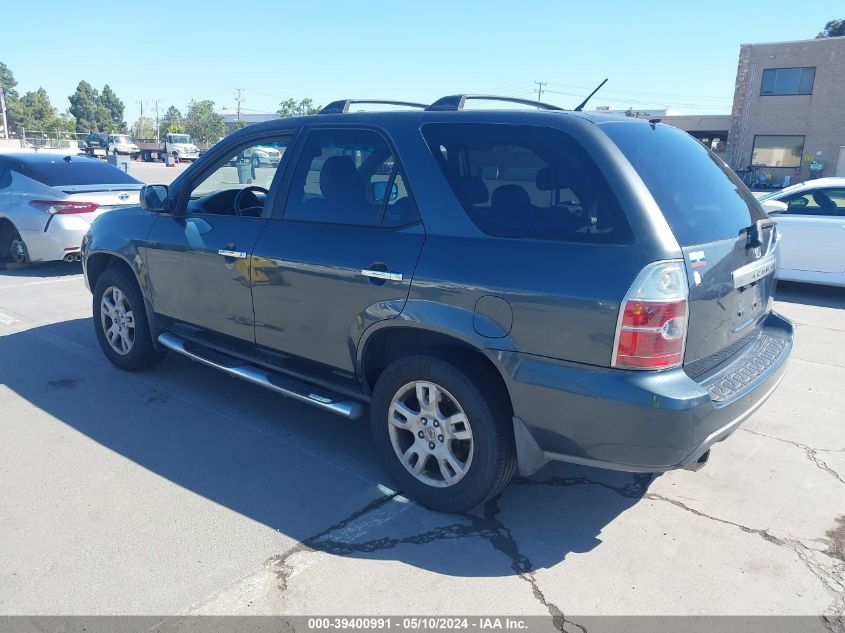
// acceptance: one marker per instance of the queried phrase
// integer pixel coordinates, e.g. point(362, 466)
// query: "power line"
point(540, 85)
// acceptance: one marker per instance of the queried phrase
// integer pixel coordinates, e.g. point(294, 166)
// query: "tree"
point(834, 28)
point(114, 106)
point(35, 111)
point(95, 112)
point(85, 108)
point(202, 122)
point(292, 107)
point(172, 122)
point(7, 80)
point(144, 127)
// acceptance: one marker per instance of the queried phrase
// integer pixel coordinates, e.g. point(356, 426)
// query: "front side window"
point(788, 81)
point(777, 151)
point(240, 185)
point(347, 176)
point(829, 202)
point(527, 182)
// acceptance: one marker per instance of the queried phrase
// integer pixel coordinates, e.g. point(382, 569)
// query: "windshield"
point(700, 197)
point(122, 139)
point(180, 138)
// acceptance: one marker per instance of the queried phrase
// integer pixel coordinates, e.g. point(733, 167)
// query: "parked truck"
point(179, 146)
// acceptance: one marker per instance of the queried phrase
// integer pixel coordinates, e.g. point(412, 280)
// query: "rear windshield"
point(59, 173)
point(527, 182)
point(701, 198)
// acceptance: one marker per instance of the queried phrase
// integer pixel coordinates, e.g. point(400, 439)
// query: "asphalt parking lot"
point(180, 491)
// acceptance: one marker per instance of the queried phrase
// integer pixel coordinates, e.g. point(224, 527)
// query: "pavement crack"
point(280, 562)
point(830, 574)
point(632, 490)
point(811, 453)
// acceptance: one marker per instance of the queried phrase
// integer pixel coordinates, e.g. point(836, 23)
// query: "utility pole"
point(3, 108)
point(140, 118)
point(238, 99)
point(540, 85)
point(156, 102)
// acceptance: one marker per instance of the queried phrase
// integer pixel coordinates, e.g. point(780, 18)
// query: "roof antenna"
point(581, 105)
point(66, 159)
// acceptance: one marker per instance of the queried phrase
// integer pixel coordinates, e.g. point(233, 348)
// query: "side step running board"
point(285, 385)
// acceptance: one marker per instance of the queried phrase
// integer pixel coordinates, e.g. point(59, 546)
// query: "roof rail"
point(342, 106)
point(456, 102)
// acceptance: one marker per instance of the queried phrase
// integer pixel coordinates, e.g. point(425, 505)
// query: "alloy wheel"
point(117, 320)
point(430, 434)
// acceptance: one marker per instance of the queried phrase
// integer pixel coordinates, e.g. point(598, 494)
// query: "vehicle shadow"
point(810, 294)
point(39, 270)
point(295, 469)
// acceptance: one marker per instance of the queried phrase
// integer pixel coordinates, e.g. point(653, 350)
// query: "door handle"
point(237, 254)
point(381, 274)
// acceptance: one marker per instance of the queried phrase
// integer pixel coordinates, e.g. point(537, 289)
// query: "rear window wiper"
point(755, 232)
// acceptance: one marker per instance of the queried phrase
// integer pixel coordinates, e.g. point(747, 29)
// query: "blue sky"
point(680, 54)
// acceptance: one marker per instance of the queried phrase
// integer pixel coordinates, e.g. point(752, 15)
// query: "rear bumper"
point(62, 235)
point(637, 421)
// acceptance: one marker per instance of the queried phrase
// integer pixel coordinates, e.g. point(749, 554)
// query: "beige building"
point(788, 116)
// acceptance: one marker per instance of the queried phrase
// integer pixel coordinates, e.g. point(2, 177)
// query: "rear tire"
point(17, 249)
point(464, 463)
point(120, 322)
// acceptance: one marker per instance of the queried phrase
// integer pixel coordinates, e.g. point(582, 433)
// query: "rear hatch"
point(728, 243)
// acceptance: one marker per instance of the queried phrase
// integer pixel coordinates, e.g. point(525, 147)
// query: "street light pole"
point(3, 108)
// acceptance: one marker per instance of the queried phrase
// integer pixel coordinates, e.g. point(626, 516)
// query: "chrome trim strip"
point(346, 408)
point(381, 274)
point(237, 254)
point(754, 271)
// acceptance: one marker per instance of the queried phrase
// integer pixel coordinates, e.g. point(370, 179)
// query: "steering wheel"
point(242, 197)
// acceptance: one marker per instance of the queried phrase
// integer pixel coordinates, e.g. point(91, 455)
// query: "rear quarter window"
point(529, 182)
point(59, 173)
point(700, 197)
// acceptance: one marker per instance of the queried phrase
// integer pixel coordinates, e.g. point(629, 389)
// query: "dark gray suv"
point(500, 288)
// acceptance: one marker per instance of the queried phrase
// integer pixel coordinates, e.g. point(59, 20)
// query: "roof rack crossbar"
point(342, 106)
point(457, 102)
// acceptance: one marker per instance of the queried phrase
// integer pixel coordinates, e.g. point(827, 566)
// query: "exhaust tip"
point(699, 463)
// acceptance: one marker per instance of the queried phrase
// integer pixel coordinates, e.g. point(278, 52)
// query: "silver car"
point(47, 203)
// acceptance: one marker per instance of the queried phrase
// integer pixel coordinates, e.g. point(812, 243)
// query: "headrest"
point(472, 190)
point(510, 196)
point(339, 179)
point(549, 178)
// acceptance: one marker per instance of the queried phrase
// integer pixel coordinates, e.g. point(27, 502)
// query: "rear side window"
point(700, 197)
point(79, 171)
point(527, 182)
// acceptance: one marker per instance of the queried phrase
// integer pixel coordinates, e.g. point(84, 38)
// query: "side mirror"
point(379, 188)
point(154, 197)
point(774, 206)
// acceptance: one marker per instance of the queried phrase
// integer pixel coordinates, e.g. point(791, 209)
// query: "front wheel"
point(120, 322)
point(446, 438)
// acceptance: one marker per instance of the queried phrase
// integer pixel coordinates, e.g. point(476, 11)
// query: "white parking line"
point(41, 282)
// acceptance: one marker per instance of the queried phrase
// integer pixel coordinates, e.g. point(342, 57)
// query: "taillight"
point(652, 328)
point(63, 207)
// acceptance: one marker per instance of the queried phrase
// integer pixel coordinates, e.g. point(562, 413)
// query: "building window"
point(788, 81)
point(777, 151)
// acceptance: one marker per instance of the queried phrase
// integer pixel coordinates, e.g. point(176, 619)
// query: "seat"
point(510, 197)
point(343, 198)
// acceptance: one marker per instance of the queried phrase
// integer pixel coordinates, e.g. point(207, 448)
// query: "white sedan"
point(812, 230)
point(47, 203)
